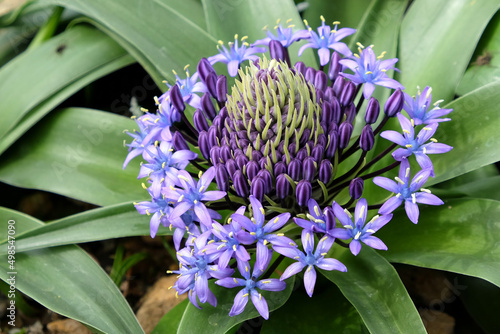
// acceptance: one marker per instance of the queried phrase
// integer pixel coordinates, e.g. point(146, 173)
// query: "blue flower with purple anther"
point(163, 165)
point(327, 39)
point(250, 284)
point(407, 192)
point(189, 87)
point(415, 145)
point(359, 231)
point(284, 35)
point(195, 265)
point(158, 208)
point(319, 221)
point(260, 233)
point(192, 194)
point(418, 108)
point(236, 54)
point(370, 70)
point(229, 246)
point(139, 142)
point(310, 258)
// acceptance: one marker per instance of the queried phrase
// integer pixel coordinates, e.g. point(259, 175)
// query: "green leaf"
point(217, 320)
point(485, 188)
point(76, 153)
point(247, 18)
point(373, 286)
point(473, 133)
point(437, 41)
point(310, 313)
point(459, 236)
point(161, 33)
point(48, 70)
point(116, 221)
point(170, 321)
point(69, 282)
point(486, 65)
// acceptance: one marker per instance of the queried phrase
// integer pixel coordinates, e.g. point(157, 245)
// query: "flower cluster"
point(280, 151)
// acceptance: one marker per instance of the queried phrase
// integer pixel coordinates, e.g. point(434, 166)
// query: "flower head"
point(418, 108)
point(235, 55)
point(418, 145)
point(310, 258)
point(327, 39)
point(369, 70)
point(407, 192)
point(358, 230)
point(192, 194)
point(284, 35)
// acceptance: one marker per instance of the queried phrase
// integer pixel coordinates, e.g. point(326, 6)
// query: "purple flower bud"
point(200, 122)
point(279, 168)
point(331, 149)
point(208, 107)
point(325, 171)
point(204, 144)
point(322, 140)
point(283, 187)
point(241, 161)
point(327, 116)
point(320, 95)
point(356, 188)
point(215, 155)
point(330, 218)
point(221, 177)
point(318, 151)
point(262, 162)
point(257, 155)
point(367, 138)
point(231, 167)
point(336, 111)
point(265, 175)
point(335, 67)
point(310, 74)
point(394, 103)
point(350, 113)
point(179, 142)
point(300, 67)
point(320, 81)
point(277, 50)
point(294, 169)
point(225, 153)
point(302, 153)
point(240, 184)
point(338, 86)
point(211, 83)
point(252, 168)
point(204, 69)
point(345, 132)
point(212, 136)
point(347, 95)
point(176, 98)
point(372, 111)
point(329, 94)
point(257, 186)
point(309, 167)
point(221, 88)
point(303, 192)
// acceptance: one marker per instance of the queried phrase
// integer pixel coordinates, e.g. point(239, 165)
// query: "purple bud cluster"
point(269, 149)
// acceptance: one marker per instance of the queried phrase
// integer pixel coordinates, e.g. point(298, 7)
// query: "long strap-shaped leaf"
point(373, 286)
point(460, 236)
point(80, 156)
point(68, 281)
point(165, 32)
point(36, 75)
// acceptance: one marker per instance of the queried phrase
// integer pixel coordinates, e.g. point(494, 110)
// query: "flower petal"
point(260, 304)
point(240, 301)
point(310, 280)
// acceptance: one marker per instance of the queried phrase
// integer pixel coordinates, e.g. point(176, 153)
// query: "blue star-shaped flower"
point(284, 35)
point(407, 192)
point(418, 108)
